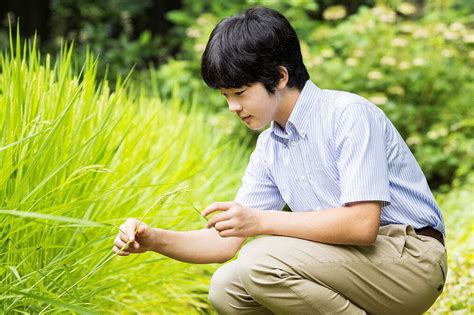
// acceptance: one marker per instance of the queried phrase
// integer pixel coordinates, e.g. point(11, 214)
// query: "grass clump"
point(77, 159)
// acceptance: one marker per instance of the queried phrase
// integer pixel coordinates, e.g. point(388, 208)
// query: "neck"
point(288, 96)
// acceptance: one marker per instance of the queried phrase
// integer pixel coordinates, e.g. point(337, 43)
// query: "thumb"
point(142, 229)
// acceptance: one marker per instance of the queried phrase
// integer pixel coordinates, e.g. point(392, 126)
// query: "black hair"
point(249, 47)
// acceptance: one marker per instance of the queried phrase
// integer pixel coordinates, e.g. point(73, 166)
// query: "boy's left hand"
point(235, 220)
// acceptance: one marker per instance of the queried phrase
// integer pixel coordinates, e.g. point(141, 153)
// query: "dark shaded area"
point(34, 16)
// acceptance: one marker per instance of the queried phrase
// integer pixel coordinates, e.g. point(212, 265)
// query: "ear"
point(283, 78)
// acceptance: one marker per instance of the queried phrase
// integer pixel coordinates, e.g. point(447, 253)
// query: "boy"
point(364, 234)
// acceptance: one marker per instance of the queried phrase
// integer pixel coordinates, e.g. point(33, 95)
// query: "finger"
point(123, 237)
point(131, 227)
point(217, 206)
point(223, 225)
point(141, 229)
point(121, 244)
point(228, 233)
point(120, 252)
point(219, 218)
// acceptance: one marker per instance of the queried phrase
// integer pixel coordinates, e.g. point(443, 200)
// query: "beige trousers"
point(401, 273)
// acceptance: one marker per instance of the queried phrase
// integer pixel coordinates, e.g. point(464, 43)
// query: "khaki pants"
point(402, 273)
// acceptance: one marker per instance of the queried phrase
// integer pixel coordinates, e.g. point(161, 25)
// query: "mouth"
point(246, 118)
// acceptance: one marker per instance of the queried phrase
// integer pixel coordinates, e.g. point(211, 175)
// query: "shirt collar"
point(299, 118)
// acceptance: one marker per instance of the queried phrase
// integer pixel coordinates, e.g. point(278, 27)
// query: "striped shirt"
point(338, 148)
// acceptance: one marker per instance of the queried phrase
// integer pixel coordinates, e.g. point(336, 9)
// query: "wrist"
point(157, 240)
point(263, 228)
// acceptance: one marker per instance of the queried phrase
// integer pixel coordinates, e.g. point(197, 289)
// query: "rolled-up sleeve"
point(258, 189)
point(359, 137)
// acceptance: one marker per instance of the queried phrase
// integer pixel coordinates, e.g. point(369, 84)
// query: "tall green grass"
point(76, 159)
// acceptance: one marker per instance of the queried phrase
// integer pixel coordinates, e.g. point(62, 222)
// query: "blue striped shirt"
point(338, 148)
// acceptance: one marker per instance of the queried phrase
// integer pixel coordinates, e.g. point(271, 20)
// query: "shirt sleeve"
point(258, 189)
point(361, 155)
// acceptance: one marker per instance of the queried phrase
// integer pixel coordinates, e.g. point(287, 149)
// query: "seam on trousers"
point(304, 300)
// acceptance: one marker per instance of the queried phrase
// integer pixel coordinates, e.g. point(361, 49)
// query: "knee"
point(259, 268)
point(220, 282)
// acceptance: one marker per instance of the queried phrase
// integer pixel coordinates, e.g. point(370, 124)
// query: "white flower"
point(447, 53)
point(358, 28)
point(388, 60)
point(407, 28)
point(384, 14)
point(437, 133)
point(316, 61)
point(407, 8)
point(419, 61)
point(399, 42)
point(468, 38)
point(448, 35)
point(457, 27)
point(352, 61)
point(404, 65)
point(199, 47)
point(193, 32)
point(396, 90)
point(432, 135)
point(440, 27)
point(380, 99)
point(327, 53)
point(374, 75)
point(421, 33)
point(358, 53)
point(335, 12)
point(414, 140)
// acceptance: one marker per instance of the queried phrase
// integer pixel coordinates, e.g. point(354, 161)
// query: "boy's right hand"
point(137, 233)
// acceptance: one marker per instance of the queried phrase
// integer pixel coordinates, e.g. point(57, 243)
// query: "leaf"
point(15, 272)
point(58, 303)
point(51, 217)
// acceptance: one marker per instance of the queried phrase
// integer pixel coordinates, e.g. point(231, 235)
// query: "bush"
point(457, 297)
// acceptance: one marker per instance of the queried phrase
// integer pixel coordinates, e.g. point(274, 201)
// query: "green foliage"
point(457, 297)
point(77, 159)
point(111, 29)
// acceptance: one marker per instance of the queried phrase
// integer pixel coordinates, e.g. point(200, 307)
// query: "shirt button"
point(302, 178)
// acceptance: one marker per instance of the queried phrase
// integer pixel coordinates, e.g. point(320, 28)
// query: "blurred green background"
point(414, 59)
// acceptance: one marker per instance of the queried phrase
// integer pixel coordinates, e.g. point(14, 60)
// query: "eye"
point(240, 92)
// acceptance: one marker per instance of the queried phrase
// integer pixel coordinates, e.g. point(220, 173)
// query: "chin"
point(257, 126)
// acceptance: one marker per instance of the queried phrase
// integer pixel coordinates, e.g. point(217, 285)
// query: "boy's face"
point(255, 106)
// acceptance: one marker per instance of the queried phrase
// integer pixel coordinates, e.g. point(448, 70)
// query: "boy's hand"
point(235, 220)
point(134, 237)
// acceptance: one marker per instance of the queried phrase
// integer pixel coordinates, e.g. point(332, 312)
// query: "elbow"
point(225, 256)
point(368, 239)
point(368, 232)
point(367, 223)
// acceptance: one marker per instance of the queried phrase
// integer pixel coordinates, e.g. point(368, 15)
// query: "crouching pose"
point(364, 234)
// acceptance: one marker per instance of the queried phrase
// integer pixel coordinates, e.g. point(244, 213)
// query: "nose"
point(234, 106)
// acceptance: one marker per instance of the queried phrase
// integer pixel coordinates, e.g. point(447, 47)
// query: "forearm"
point(344, 225)
point(199, 246)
